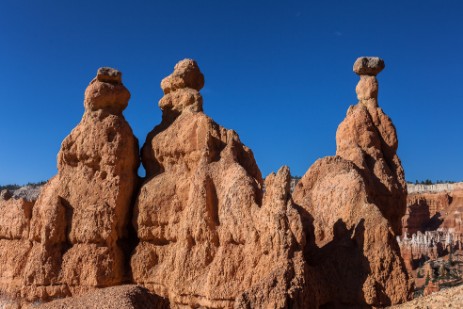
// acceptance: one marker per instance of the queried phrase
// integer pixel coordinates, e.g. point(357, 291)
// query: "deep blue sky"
point(278, 73)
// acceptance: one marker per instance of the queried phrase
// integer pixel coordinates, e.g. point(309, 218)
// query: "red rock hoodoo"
point(352, 205)
point(209, 235)
point(70, 240)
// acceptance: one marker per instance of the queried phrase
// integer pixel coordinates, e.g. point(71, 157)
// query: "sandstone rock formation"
point(15, 218)
point(368, 138)
point(209, 236)
point(351, 206)
point(453, 215)
point(72, 236)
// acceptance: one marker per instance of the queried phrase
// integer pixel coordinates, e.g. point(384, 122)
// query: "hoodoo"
point(352, 206)
point(79, 220)
point(208, 231)
point(368, 138)
point(209, 236)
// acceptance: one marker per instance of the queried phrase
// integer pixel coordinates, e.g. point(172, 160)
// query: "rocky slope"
point(449, 298)
point(118, 297)
point(351, 208)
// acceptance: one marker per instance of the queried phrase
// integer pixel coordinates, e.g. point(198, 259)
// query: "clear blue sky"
point(278, 73)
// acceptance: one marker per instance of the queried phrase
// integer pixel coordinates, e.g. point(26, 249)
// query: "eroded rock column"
point(352, 205)
point(80, 218)
point(368, 138)
point(209, 237)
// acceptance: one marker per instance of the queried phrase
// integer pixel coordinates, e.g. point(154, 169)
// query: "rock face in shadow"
point(425, 212)
point(352, 205)
point(80, 218)
point(209, 236)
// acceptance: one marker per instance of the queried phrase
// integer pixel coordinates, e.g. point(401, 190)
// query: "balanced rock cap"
point(107, 92)
point(186, 75)
point(109, 75)
point(368, 66)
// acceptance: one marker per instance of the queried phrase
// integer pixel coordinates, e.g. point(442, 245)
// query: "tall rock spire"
point(351, 206)
point(368, 138)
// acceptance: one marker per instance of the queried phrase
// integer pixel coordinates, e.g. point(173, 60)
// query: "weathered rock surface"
point(209, 236)
point(351, 206)
point(453, 217)
point(15, 217)
point(119, 297)
point(70, 241)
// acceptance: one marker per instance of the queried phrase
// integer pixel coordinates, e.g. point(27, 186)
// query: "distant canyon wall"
point(434, 188)
point(433, 207)
point(433, 224)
